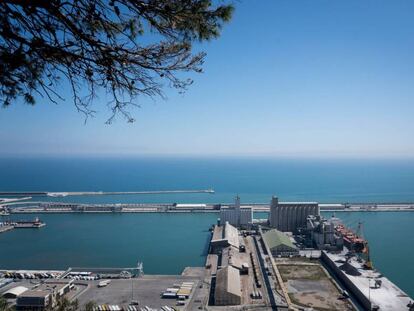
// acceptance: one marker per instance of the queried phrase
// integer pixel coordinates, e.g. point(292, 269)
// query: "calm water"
point(253, 180)
point(167, 243)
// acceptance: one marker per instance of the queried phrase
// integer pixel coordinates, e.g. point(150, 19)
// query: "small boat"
point(36, 223)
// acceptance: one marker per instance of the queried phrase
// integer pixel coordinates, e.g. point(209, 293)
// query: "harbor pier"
point(61, 207)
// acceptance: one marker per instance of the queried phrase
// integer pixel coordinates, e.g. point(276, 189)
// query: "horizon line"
point(208, 156)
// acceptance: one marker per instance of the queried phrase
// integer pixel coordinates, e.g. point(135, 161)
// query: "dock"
point(22, 224)
point(373, 290)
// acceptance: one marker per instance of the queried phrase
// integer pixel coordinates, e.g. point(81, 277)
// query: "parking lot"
point(146, 290)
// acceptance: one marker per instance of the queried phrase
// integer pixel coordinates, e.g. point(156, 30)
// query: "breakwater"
point(88, 193)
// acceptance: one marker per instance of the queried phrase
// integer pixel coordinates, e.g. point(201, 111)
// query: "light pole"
point(369, 292)
point(132, 289)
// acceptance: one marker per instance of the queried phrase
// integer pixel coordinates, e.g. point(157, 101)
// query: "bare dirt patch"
point(309, 286)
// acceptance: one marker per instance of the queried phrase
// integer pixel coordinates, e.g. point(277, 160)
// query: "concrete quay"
point(372, 290)
point(60, 207)
point(367, 207)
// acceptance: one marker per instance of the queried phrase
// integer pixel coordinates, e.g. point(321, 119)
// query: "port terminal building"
point(290, 216)
point(236, 215)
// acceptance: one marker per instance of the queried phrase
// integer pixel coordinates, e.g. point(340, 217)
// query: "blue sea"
point(255, 180)
point(166, 243)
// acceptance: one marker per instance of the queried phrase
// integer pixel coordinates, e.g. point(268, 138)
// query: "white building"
point(289, 216)
point(236, 215)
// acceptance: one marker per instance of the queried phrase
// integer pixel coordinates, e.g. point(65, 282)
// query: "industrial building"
point(236, 215)
point(224, 236)
point(228, 288)
point(34, 300)
point(229, 262)
point(322, 234)
point(290, 216)
point(280, 244)
point(43, 296)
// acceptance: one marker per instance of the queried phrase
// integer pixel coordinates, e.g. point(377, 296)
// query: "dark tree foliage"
point(4, 306)
point(90, 306)
point(125, 47)
point(64, 304)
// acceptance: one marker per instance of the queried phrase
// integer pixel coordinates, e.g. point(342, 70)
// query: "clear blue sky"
point(286, 78)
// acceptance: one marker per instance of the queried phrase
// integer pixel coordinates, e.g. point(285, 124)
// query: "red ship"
point(352, 241)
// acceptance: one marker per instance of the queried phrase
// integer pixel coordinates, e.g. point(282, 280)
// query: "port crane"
point(140, 268)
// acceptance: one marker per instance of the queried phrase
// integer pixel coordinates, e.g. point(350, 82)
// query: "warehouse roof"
point(231, 257)
point(231, 234)
point(228, 282)
point(275, 238)
point(226, 234)
point(14, 292)
point(35, 293)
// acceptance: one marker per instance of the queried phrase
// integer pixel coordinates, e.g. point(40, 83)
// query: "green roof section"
point(275, 238)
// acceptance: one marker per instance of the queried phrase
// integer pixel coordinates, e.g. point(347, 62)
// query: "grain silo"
point(290, 216)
